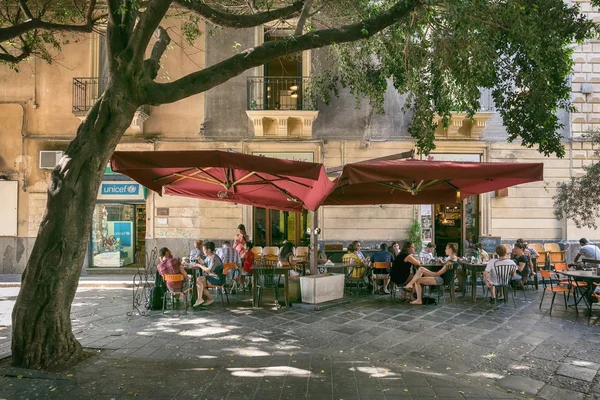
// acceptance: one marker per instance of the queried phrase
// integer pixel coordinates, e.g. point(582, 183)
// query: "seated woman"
point(196, 254)
point(425, 277)
point(352, 259)
point(170, 265)
point(403, 264)
point(286, 253)
point(213, 274)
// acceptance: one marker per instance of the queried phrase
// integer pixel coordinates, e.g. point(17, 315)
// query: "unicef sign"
point(120, 191)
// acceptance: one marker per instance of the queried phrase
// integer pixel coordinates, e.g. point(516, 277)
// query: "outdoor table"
point(284, 270)
point(336, 268)
point(588, 277)
point(475, 268)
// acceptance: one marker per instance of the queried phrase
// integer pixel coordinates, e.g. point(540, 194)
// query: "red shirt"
point(249, 262)
point(170, 266)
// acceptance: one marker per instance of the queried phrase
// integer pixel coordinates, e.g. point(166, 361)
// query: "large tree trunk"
point(42, 336)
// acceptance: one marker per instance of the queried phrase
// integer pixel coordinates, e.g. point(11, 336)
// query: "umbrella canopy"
point(227, 176)
point(425, 182)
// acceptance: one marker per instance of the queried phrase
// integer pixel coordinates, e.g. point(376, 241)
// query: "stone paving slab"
point(373, 348)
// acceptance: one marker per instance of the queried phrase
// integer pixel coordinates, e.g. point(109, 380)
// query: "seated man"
point(229, 255)
point(587, 251)
point(351, 258)
point(383, 256)
point(213, 274)
point(426, 255)
point(522, 262)
point(489, 275)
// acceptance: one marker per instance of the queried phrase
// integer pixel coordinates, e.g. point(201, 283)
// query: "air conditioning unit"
point(49, 159)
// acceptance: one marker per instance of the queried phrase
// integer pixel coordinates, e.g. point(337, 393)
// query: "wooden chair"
point(258, 251)
point(546, 275)
point(270, 251)
point(184, 291)
point(555, 253)
point(543, 259)
point(380, 273)
point(302, 252)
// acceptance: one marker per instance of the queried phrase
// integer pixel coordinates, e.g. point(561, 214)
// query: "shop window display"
point(113, 235)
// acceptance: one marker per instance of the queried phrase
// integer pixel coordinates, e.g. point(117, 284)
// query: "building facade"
point(264, 111)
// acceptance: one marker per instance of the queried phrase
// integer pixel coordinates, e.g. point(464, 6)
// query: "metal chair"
point(356, 275)
point(235, 273)
point(546, 275)
point(184, 291)
point(220, 289)
point(267, 279)
point(379, 273)
point(504, 274)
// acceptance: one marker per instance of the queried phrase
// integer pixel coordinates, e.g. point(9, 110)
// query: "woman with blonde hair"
point(425, 277)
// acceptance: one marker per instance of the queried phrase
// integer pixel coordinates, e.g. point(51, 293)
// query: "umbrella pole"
point(314, 248)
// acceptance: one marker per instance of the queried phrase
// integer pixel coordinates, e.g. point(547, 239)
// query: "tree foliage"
point(439, 52)
point(578, 199)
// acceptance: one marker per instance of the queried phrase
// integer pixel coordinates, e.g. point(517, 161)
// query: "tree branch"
point(9, 58)
point(303, 17)
point(200, 81)
point(152, 65)
point(239, 21)
point(25, 8)
point(32, 23)
point(148, 23)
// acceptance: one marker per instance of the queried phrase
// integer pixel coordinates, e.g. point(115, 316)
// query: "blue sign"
point(120, 189)
point(123, 232)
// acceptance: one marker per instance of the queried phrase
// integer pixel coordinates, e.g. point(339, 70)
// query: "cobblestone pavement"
point(373, 348)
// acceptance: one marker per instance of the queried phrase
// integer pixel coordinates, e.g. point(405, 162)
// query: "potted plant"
point(415, 235)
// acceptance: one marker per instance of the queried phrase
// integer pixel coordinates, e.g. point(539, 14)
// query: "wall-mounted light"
point(294, 87)
point(294, 94)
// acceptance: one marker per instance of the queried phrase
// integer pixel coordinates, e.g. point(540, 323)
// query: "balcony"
point(281, 106)
point(462, 127)
point(87, 91)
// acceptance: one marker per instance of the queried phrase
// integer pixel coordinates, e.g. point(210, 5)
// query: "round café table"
point(588, 277)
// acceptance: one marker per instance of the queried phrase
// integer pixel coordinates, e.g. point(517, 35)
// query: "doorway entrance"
point(448, 223)
point(273, 227)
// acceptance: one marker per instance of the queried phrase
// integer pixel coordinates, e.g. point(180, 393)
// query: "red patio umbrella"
point(425, 182)
point(227, 176)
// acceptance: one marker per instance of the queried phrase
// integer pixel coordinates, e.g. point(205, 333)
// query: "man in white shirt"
point(587, 251)
point(427, 254)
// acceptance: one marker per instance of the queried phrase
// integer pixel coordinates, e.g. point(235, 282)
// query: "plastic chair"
point(504, 274)
point(379, 273)
point(185, 289)
point(270, 251)
point(546, 275)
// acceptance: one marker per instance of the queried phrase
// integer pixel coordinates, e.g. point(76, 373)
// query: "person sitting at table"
point(249, 259)
point(489, 274)
point(425, 277)
point(286, 253)
point(229, 255)
point(522, 262)
point(394, 249)
point(364, 259)
point(321, 255)
point(196, 253)
point(352, 259)
point(212, 273)
point(485, 257)
point(427, 254)
point(170, 265)
point(587, 251)
point(403, 265)
point(384, 256)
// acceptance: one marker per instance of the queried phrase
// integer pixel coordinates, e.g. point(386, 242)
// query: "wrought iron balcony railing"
point(87, 91)
point(280, 93)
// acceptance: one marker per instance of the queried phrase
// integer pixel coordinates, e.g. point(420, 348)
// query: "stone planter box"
point(321, 288)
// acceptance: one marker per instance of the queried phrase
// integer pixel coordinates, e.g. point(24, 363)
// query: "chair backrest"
point(267, 277)
point(270, 259)
point(551, 247)
point(348, 259)
point(358, 272)
point(546, 275)
point(173, 277)
point(561, 266)
point(257, 250)
point(380, 265)
point(271, 251)
point(504, 273)
point(228, 267)
point(302, 251)
point(450, 275)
